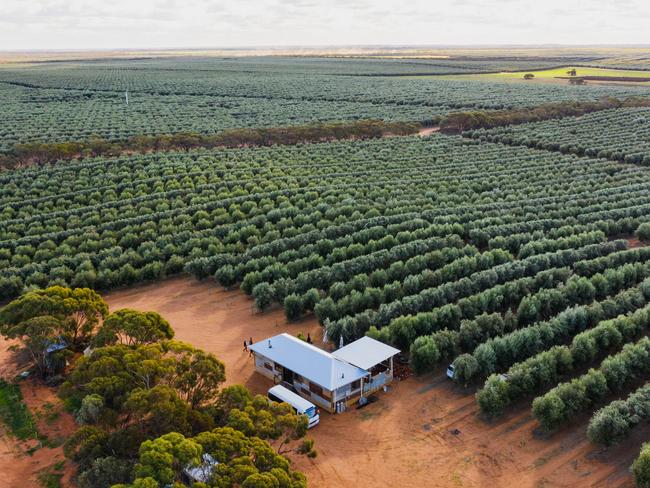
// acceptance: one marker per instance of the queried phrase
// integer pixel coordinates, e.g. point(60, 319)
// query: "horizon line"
point(328, 46)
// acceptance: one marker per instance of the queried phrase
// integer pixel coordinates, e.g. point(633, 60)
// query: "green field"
point(580, 71)
point(555, 75)
point(63, 102)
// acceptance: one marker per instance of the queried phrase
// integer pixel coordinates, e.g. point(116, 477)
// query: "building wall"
point(327, 400)
point(261, 366)
point(302, 387)
point(347, 394)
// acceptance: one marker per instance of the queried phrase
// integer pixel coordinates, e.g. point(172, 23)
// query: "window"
point(355, 385)
point(305, 391)
point(297, 377)
point(268, 366)
point(315, 389)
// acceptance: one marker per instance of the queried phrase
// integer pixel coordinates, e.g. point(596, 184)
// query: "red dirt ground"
point(634, 242)
point(17, 467)
point(405, 439)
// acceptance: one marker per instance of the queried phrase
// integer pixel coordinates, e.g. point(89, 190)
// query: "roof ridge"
point(308, 345)
point(331, 367)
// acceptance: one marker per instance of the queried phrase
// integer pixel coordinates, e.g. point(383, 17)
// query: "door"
point(287, 376)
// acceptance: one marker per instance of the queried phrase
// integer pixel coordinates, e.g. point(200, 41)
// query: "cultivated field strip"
point(64, 103)
point(141, 217)
point(621, 134)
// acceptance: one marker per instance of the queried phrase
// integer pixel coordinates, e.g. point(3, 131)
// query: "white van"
point(450, 372)
point(303, 407)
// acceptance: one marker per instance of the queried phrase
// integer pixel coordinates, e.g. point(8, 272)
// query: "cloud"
point(34, 24)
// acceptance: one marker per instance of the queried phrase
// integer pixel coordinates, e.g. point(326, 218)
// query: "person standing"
point(245, 346)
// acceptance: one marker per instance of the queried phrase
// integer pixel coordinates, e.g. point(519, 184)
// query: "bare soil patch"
point(214, 319)
point(634, 242)
point(21, 462)
point(427, 131)
point(423, 432)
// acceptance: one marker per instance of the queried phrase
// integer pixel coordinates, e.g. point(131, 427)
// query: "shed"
point(366, 353)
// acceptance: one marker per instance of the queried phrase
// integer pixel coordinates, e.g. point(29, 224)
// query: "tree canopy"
point(41, 319)
point(132, 327)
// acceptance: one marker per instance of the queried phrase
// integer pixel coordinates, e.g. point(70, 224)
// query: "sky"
point(86, 24)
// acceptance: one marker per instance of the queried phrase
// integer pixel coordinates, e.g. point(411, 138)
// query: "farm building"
point(333, 381)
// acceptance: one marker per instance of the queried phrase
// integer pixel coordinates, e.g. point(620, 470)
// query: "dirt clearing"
point(423, 432)
point(213, 319)
point(23, 462)
point(427, 131)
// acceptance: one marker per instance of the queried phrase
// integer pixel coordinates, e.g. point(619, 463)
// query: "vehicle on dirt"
point(281, 394)
point(450, 372)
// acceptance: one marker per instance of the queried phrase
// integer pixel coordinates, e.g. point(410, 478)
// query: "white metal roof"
point(287, 396)
point(365, 352)
point(307, 360)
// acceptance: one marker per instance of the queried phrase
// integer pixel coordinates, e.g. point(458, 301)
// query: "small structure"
point(333, 381)
point(201, 473)
point(373, 356)
point(55, 363)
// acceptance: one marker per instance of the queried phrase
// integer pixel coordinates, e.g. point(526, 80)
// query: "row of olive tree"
point(402, 278)
point(613, 222)
point(295, 294)
point(407, 318)
point(614, 422)
point(326, 252)
point(617, 372)
point(403, 331)
point(500, 353)
point(460, 265)
point(513, 242)
point(547, 367)
point(540, 246)
point(542, 305)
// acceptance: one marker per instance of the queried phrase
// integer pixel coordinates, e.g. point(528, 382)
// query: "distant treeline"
point(42, 153)
point(461, 121)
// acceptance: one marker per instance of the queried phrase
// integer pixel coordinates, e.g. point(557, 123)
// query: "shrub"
point(424, 354)
point(493, 398)
point(465, 368)
point(643, 231)
point(641, 467)
point(263, 295)
point(91, 409)
point(549, 410)
point(225, 275)
point(293, 307)
point(105, 472)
